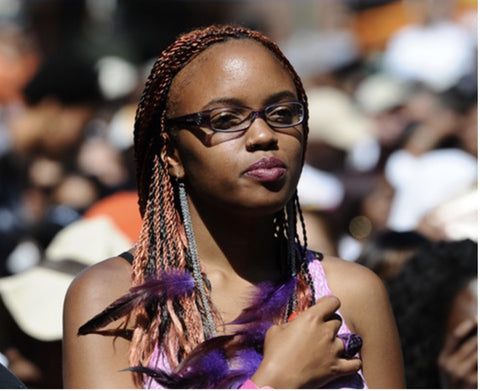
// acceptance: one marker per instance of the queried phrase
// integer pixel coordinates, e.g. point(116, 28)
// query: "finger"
point(465, 328)
point(468, 348)
point(462, 359)
point(463, 369)
point(349, 366)
point(459, 334)
point(325, 307)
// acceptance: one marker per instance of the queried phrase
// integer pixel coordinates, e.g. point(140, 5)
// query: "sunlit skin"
point(226, 201)
point(232, 211)
point(219, 170)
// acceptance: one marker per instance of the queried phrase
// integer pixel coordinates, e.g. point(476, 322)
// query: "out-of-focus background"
point(391, 166)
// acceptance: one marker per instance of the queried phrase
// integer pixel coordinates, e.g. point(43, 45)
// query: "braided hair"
point(163, 245)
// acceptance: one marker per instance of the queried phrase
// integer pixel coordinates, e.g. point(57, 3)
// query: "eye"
point(227, 117)
point(284, 113)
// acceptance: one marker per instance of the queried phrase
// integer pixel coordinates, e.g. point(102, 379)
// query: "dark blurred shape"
point(67, 77)
point(387, 251)
point(424, 297)
point(39, 156)
point(8, 380)
point(359, 5)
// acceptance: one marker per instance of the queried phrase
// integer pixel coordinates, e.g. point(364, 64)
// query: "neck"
point(244, 245)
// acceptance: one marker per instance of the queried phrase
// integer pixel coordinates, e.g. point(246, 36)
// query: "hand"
point(305, 352)
point(458, 359)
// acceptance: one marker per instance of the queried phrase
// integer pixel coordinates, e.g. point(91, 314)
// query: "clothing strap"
point(127, 256)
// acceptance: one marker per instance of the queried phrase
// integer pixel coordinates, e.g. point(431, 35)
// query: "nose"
point(260, 135)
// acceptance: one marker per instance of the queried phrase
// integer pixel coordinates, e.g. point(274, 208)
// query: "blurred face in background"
point(63, 127)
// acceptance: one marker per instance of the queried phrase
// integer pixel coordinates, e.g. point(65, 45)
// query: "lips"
point(267, 170)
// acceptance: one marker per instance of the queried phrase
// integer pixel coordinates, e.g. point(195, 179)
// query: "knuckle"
point(332, 302)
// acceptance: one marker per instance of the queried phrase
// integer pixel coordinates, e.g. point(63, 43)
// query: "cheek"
point(206, 164)
point(218, 169)
point(295, 148)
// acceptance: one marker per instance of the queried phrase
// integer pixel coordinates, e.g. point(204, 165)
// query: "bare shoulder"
point(95, 360)
point(365, 306)
point(359, 289)
point(97, 286)
point(349, 276)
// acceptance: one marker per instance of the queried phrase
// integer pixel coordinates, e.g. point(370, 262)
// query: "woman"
point(221, 292)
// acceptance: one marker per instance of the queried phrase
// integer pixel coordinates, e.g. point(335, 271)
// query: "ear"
point(173, 161)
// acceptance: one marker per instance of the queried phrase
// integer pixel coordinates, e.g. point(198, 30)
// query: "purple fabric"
point(233, 371)
point(211, 364)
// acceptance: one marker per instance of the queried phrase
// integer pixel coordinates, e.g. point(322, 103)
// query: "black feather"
point(169, 284)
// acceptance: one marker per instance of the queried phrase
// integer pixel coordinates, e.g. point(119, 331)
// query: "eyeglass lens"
point(278, 115)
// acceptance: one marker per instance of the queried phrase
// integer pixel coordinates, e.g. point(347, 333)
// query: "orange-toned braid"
point(162, 245)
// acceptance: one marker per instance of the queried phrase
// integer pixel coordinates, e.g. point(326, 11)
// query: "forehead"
point(228, 69)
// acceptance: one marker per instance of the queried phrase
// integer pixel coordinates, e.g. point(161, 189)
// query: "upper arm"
point(366, 308)
point(95, 361)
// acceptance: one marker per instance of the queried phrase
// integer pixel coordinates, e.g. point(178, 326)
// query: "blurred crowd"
point(390, 179)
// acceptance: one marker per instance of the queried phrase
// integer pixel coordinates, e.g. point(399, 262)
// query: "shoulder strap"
point(127, 256)
point(311, 255)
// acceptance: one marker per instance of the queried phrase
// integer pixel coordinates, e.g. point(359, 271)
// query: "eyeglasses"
point(237, 118)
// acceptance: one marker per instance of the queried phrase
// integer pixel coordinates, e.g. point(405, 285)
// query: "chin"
point(265, 206)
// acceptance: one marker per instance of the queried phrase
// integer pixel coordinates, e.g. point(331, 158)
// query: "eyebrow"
point(287, 94)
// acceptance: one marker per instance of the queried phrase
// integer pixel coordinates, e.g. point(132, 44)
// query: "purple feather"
point(169, 284)
point(204, 376)
point(203, 368)
point(268, 301)
point(228, 361)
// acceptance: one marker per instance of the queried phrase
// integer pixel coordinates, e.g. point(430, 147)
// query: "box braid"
point(162, 244)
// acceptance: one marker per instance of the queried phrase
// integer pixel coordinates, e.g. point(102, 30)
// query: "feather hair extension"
point(227, 361)
point(268, 300)
point(202, 368)
point(169, 284)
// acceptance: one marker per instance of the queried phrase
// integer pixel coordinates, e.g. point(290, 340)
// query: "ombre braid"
point(163, 245)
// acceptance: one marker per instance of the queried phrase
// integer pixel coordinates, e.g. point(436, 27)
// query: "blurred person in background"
point(434, 48)
point(320, 194)
point(384, 99)
point(387, 251)
point(19, 60)
point(37, 163)
point(31, 302)
point(436, 163)
point(364, 211)
point(452, 127)
point(434, 299)
point(336, 127)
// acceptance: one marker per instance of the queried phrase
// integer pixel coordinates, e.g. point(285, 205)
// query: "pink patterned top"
point(159, 358)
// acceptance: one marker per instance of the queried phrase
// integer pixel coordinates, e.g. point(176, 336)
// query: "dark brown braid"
point(162, 244)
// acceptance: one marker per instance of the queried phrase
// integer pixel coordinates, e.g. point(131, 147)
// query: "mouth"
point(267, 170)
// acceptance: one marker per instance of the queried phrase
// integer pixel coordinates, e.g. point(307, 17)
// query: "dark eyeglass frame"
point(202, 118)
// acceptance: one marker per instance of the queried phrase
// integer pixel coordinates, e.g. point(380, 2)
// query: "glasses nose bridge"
point(258, 114)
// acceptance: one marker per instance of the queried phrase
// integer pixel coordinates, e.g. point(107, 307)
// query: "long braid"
point(305, 292)
point(303, 248)
point(162, 244)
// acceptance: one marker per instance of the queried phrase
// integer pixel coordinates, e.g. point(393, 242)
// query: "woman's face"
point(255, 170)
